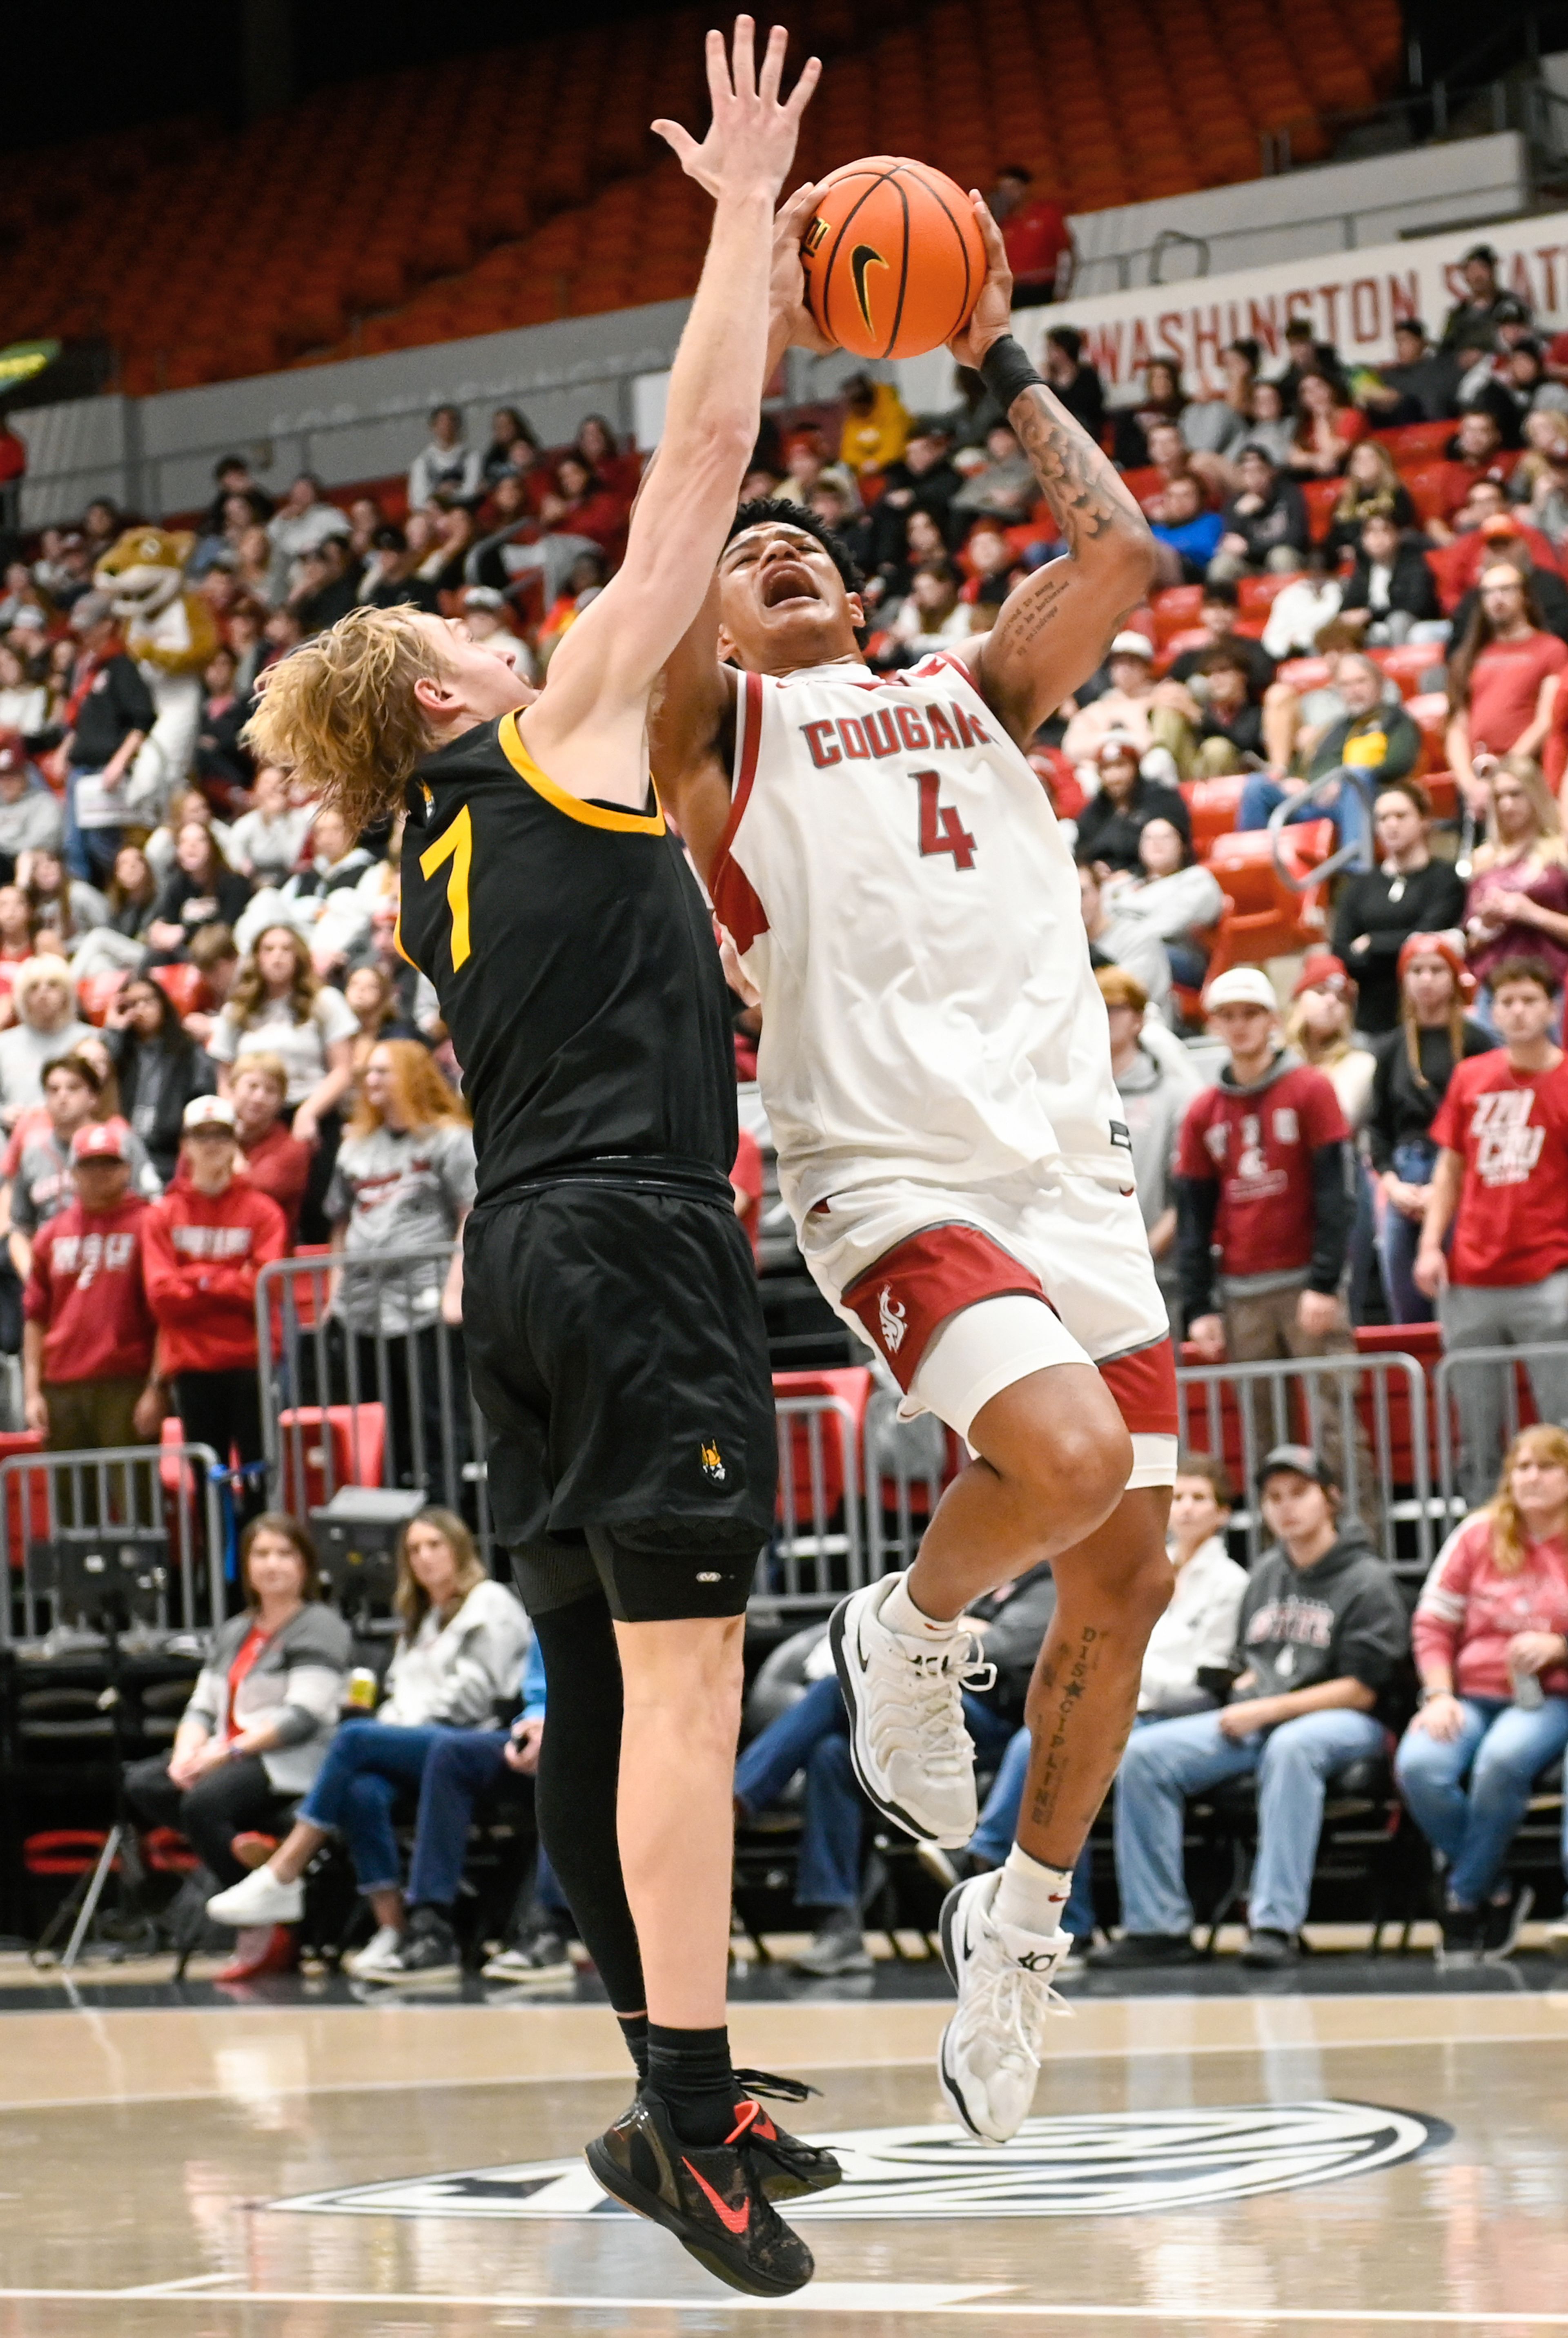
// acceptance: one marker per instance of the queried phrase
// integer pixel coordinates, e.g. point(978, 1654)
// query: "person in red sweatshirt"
point(205, 1243)
point(275, 1161)
point(88, 1336)
point(1265, 1201)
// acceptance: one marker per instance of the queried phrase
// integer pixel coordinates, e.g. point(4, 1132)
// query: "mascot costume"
point(171, 633)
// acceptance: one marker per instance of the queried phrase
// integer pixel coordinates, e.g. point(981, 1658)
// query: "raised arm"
point(595, 699)
point(1052, 632)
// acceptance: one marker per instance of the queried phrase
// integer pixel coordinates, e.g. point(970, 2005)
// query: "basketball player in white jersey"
point(935, 1065)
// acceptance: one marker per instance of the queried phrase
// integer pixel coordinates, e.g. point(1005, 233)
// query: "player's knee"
point(1077, 1467)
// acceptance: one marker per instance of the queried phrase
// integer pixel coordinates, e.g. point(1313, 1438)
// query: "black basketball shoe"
point(710, 2196)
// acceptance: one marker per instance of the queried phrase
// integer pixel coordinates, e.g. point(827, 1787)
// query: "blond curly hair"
point(340, 710)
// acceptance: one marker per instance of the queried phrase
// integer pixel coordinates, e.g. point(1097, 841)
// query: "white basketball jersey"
point(898, 890)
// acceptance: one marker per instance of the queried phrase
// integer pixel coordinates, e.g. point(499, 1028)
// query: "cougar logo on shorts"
point(712, 1463)
point(891, 1314)
point(1108, 2164)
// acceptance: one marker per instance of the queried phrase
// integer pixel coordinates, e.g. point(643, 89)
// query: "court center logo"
point(1120, 2163)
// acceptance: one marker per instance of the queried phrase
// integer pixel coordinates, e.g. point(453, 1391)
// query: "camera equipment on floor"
point(101, 1578)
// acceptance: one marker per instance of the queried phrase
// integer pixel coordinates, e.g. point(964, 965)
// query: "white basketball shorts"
point(966, 1291)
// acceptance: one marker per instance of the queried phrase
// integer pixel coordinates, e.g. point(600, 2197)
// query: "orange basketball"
point(893, 259)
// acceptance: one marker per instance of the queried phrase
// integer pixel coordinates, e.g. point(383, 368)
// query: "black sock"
point(634, 2030)
point(692, 2072)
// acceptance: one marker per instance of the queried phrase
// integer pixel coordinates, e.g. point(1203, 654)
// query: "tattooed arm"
point(1052, 632)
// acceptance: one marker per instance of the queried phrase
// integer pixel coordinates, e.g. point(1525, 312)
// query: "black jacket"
point(1110, 833)
point(1430, 899)
point(180, 902)
point(156, 1084)
point(118, 702)
point(1342, 1618)
point(1411, 585)
point(1280, 519)
point(1402, 1109)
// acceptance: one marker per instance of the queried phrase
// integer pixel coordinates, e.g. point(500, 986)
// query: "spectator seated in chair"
point(1112, 821)
point(1008, 1627)
point(1187, 533)
point(1195, 1636)
point(254, 1735)
point(1390, 593)
point(1491, 1641)
point(461, 1766)
point(1374, 737)
point(159, 1067)
point(460, 1648)
point(1266, 523)
point(1321, 1635)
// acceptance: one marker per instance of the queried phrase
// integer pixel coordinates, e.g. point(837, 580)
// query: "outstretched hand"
point(751, 142)
point(992, 315)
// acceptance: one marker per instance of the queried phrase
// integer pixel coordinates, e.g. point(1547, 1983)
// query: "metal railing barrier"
point(1357, 854)
point(1367, 1413)
point(819, 1548)
point(364, 1384)
point(1476, 1399)
point(130, 1536)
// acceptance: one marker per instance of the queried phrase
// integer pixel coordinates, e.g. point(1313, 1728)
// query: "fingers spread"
point(672, 133)
point(719, 88)
point(810, 75)
point(745, 58)
point(773, 66)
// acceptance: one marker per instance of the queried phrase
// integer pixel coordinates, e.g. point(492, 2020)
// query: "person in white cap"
point(1264, 1203)
point(1128, 707)
point(205, 1243)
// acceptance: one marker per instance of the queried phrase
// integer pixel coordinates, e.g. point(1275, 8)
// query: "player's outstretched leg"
point(1054, 1459)
point(695, 2152)
point(1001, 1936)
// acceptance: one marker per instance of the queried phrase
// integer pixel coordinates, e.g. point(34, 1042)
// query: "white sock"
point(1030, 1895)
point(900, 1615)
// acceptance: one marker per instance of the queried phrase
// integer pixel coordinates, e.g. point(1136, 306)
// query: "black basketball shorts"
point(616, 1350)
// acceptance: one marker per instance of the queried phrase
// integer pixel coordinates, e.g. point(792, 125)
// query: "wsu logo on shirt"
point(1507, 1146)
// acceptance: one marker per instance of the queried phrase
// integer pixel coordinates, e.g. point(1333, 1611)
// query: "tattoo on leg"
point(1047, 1792)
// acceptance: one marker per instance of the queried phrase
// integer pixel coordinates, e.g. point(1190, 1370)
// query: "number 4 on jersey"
point(941, 830)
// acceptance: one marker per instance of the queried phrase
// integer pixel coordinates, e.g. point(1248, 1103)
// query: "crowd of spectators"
point(211, 1052)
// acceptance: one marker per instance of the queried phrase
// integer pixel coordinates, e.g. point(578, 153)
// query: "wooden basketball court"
point(1202, 2165)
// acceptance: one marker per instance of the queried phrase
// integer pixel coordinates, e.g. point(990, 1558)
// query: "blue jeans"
point(1261, 796)
point(1500, 1749)
point(90, 852)
point(1399, 1237)
point(814, 1736)
point(368, 1763)
point(461, 1765)
point(1170, 1760)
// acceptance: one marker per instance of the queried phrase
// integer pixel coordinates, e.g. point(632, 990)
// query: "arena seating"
point(179, 244)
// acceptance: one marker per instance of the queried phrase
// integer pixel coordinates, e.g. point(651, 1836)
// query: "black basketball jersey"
point(574, 957)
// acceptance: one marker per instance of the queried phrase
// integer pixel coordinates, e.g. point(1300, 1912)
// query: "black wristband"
point(1007, 372)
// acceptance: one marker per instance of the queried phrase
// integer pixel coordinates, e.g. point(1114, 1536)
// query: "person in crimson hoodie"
point(88, 1335)
point(1264, 1203)
point(204, 1245)
point(276, 1161)
point(1500, 1182)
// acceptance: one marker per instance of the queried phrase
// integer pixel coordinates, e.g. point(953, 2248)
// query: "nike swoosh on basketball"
point(734, 2220)
point(862, 258)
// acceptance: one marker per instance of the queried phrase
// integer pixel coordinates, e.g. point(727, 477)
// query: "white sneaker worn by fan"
point(904, 1698)
point(989, 2057)
point(376, 1955)
point(259, 1898)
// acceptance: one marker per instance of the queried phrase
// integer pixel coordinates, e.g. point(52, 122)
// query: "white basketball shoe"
point(904, 1697)
point(989, 2057)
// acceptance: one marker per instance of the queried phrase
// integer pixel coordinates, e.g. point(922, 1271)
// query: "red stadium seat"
point(848, 1386)
point(1256, 595)
point(356, 1435)
point(1193, 638)
point(1175, 610)
point(1212, 805)
point(96, 993)
point(1416, 442)
point(1264, 917)
point(1320, 497)
point(1429, 713)
point(1304, 673)
point(184, 984)
point(1408, 663)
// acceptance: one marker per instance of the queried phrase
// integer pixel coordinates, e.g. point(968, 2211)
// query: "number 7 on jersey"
point(457, 847)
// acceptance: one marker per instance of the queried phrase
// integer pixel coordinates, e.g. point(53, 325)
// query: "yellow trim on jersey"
point(591, 815)
point(457, 847)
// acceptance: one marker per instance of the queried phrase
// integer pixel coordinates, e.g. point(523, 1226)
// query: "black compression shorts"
point(616, 1350)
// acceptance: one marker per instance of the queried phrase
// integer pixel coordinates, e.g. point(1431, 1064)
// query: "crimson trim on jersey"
point(911, 1289)
point(1143, 1384)
point(733, 895)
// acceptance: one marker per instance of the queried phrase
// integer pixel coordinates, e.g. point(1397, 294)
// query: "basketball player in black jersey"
point(613, 1329)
